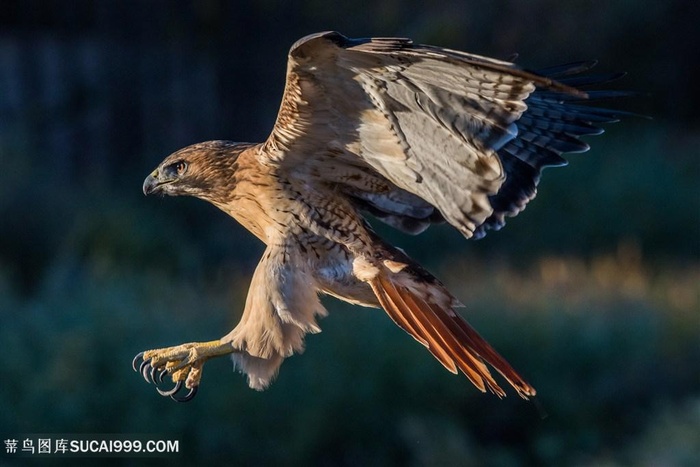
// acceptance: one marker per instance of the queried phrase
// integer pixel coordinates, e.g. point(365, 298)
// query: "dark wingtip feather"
point(553, 125)
point(573, 68)
point(594, 79)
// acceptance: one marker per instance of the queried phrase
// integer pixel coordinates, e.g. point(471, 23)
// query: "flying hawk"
point(411, 134)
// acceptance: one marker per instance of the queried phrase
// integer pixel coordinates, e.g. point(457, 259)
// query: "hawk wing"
point(416, 134)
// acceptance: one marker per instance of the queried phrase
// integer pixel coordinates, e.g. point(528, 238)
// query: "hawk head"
point(203, 170)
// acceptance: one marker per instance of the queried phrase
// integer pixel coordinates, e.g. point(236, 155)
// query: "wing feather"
point(456, 136)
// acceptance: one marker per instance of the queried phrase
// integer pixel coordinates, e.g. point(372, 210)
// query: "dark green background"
point(592, 293)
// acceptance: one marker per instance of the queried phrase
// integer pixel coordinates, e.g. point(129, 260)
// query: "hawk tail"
point(451, 340)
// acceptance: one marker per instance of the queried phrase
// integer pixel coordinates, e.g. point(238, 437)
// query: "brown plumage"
point(412, 134)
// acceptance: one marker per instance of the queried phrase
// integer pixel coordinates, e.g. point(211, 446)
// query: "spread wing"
point(416, 134)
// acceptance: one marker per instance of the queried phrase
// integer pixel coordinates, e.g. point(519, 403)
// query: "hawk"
point(410, 134)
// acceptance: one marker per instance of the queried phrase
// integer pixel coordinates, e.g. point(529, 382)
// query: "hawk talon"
point(171, 392)
point(183, 363)
point(150, 373)
point(144, 369)
point(157, 375)
point(136, 359)
point(190, 395)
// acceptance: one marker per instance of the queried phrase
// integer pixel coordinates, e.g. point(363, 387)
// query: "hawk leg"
point(183, 363)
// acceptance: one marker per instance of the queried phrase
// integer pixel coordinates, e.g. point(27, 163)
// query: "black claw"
point(156, 374)
point(136, 359)
point(145, 368)
point(190, 395)
point(158, 377)
point(152, 374)
point(172, 391)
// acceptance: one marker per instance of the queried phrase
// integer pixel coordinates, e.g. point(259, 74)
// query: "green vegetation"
point(610, 345)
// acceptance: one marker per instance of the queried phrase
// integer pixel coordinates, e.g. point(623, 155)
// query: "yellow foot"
point(183, 363)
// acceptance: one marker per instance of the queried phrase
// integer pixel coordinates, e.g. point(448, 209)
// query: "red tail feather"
point(447, 336)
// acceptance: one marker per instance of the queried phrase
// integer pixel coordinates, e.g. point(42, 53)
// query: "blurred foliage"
point(610, 345)
point(593, 293)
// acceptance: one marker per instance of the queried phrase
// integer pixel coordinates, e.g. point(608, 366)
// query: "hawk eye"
point(180, 167)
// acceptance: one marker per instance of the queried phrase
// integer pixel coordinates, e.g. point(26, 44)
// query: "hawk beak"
point(150, 185)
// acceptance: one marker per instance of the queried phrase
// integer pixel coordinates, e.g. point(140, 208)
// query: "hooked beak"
point(152, 184)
